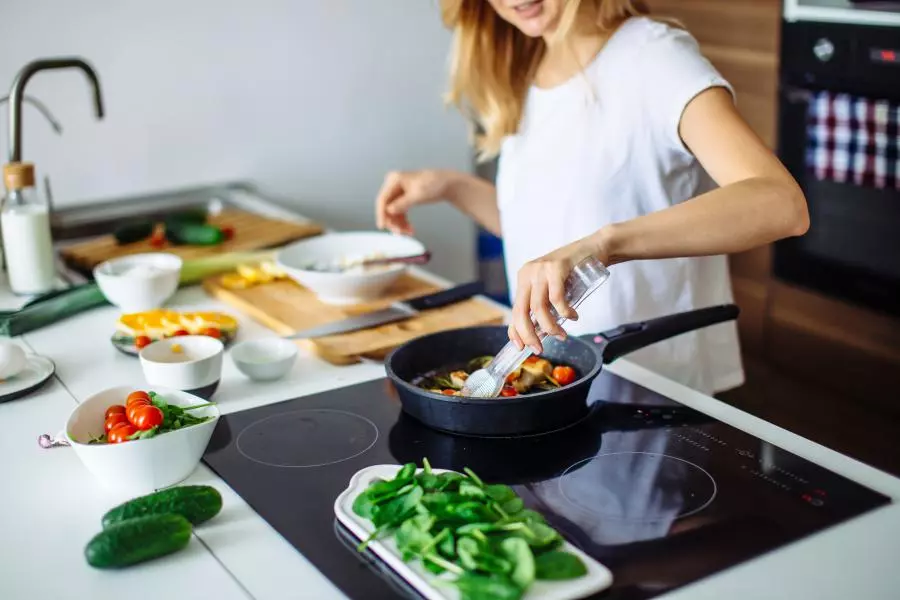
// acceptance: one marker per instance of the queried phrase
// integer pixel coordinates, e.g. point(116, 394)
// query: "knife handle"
point(445, 297)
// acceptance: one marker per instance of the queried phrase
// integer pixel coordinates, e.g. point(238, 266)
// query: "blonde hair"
point(492, 64)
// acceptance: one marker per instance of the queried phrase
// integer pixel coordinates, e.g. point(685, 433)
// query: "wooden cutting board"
point(251, 232)
point(286, 307)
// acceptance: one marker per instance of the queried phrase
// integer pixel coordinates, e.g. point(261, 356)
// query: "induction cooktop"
point(659, 493)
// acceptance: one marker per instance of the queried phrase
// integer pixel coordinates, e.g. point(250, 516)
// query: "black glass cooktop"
point(659, 493)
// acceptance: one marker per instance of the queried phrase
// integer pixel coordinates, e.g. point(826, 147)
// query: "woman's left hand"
point(541, 283)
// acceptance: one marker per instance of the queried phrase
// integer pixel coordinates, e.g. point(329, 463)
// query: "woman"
point(609, 125)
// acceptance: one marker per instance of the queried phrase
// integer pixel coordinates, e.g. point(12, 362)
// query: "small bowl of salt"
point(139, 282)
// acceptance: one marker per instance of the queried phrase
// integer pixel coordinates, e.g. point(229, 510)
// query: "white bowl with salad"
point(138, 440)
point(332, 265)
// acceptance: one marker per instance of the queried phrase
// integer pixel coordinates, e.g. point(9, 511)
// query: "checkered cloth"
point(852, 139)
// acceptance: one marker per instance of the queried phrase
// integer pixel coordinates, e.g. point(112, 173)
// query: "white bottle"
point(27, 244)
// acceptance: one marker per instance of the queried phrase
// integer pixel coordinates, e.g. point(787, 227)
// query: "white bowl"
point(265, 359)
point(190, 363)
point(139, 466)
point(346, 287)
point(139, 282)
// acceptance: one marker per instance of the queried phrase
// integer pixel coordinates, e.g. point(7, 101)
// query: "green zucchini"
point(138, 540)
point(196, 503)
point(193, 234)
point(133, 231)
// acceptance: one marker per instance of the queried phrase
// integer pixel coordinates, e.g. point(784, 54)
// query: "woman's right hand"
point(402, 190)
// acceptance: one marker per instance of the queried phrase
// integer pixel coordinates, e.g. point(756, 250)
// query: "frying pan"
point(535, 412)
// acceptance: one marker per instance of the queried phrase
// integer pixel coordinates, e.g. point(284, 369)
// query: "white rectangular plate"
point(598, 577)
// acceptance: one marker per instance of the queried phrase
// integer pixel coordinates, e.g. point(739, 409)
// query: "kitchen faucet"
point(17, 93)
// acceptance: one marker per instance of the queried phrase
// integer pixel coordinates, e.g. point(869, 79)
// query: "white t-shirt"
point(602, 148)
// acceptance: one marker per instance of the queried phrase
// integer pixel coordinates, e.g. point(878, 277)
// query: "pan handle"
point(625, 339)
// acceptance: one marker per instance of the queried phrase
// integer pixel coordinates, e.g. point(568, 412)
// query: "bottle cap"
point(17, 176)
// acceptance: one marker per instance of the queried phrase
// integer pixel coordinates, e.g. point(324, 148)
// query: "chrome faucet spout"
point(17, 94)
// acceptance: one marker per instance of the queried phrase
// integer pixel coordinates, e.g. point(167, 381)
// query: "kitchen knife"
point(397, 311)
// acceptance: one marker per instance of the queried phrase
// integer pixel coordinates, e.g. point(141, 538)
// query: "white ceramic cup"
point(127, 287)
point(191, 363)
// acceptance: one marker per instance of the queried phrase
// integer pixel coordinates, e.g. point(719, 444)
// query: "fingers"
point(521, 320)
point(390, 189)
point(557, 296)
point(540, 307)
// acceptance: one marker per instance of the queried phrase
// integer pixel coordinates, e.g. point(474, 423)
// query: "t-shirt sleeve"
point(674, 72)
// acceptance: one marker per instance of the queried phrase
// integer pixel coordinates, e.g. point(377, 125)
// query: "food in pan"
point(535, 375)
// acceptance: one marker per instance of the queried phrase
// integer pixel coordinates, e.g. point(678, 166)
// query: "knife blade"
point(398, 311)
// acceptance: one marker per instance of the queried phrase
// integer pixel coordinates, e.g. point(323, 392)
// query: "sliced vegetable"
point(142, 341)
point(114, 409)
point(113, 420)
point(137, 540)
point(136, 396)
point(196, 503)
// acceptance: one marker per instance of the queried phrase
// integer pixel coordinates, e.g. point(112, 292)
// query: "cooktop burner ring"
point(307, 438)
point(705, 485)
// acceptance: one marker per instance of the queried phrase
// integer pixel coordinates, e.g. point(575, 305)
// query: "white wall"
point(312, 99)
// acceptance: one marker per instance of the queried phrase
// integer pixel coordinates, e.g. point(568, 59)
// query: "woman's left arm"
point(757, 202)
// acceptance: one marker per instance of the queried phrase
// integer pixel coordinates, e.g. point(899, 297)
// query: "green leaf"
point(407, 472)
point(529, 516)
point(513, 506)
point(479, 587)
point(447, 545)
point(413, 539)
point(473, 477)
point(429, 481)
point(398, 509)
point(499, 492)
point(469, 489)
point(449, 482)
point(558, 565)
point(519, 554)
point(543, 534)
point(363, 506)
point(467, 549)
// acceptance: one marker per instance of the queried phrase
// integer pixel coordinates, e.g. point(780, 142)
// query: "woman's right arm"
point(401, 191)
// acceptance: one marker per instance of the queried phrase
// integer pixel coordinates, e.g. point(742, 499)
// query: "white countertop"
point(50, 506)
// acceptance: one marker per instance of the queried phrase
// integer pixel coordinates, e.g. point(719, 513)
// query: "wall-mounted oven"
point(847, 60)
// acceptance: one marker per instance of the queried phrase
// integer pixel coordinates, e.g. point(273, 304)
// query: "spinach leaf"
point(541, 535)
point(363, 506)
point(467, 549)
point(469, 489)
point(513, 506)
point(412, 539)
point(558, 565)
point(447, 546)
point(406, 473)
point(477, 480)
point(499, 492)
point(519, 554)
point(479, 587)
point(398, 509)
point(449, 482)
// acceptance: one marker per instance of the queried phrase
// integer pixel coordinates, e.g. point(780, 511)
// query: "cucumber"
point(134, 231)
point(196, 503)
point(196, 235)
point(138, 540)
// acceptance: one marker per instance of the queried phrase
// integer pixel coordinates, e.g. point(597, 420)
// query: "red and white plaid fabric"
point(853, 139)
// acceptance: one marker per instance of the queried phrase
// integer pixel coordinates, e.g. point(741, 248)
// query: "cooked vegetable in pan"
point(535, 375)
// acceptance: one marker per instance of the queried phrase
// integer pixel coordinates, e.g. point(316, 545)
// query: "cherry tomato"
point(213, 332)
point(139, 395)
point(228, 232)
point(532, 359)
point(564, 375)
point(449, 392)
point(180, 332)
point(120, 433)
point(113, 420)
point(114, 409)
point(158, 239)
point(147, 417)
point(134, 408)
point(508, 391)
point(142, 341)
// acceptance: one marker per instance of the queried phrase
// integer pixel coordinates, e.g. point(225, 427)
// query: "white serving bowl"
point(139, 466)
point(266, 359)
point(139, 282)
point(343, 288)
point(190, 363)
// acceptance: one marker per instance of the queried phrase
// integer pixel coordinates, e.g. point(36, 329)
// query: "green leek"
point(58, 305)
